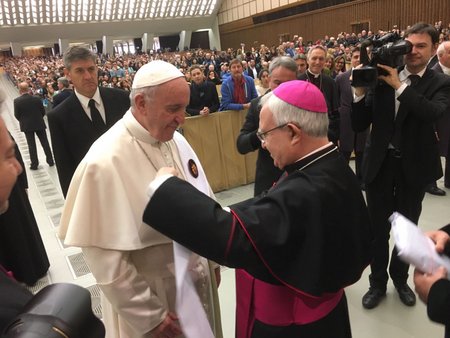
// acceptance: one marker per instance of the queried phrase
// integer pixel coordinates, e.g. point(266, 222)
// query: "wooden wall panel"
point(381, 14)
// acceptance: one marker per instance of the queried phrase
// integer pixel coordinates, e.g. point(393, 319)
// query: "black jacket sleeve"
point(247, 140)
point(213, 233)
point(438, 306)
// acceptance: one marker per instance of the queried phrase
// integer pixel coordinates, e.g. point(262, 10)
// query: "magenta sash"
point(276, 305)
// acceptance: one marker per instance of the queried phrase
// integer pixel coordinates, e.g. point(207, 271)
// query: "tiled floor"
point(390, 319)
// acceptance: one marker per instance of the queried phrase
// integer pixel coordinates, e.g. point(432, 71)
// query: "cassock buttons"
point(193, 170)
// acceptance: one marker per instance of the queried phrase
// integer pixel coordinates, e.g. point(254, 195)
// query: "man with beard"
point(238, 89)
point(203, 98)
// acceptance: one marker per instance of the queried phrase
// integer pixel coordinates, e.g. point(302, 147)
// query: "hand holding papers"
point(416, 248)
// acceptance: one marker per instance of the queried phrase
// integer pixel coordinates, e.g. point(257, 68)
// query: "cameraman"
point(401, 154)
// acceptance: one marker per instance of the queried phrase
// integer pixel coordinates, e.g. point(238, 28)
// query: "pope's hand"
point(169, 328)
point(167, 171)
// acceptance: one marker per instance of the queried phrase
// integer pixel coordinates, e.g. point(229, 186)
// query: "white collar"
point(315, 151)
point(446, 70)
point(315, 75)
point(136, 129)
point(84, 100)
point(405, 73)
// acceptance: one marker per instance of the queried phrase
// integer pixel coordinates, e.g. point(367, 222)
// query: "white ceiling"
point(45, 21)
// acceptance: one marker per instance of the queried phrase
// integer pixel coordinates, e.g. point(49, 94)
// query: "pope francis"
point(133, 263)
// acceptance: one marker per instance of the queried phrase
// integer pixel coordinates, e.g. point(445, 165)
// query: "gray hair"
point(441, 49)
point(285, 62)
point(149, 94)
point(64, 81)
point(312, 124)
point(324, 49)
point(77, 53)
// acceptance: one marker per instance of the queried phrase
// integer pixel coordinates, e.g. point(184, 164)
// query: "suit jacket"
point(72, 132)
point(420, 108)
point(433, 61)
point(443, 125)
point(249, 72)
point(29, 111)
point(202, 96)
point(266, 173)
point(348, 139)
point(61, 96)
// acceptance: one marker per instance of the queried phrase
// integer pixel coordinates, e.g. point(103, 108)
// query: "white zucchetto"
point(155, 73)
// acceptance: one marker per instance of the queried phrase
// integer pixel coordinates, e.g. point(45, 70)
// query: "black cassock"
point(21, 248)
point(310, 233)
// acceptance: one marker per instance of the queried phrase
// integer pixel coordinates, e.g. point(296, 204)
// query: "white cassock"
point(132, 262)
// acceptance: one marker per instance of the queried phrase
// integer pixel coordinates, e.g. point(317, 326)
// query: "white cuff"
point(156, 183)
point(356, 99)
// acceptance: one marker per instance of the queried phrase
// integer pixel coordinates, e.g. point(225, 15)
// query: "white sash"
point(191, 314)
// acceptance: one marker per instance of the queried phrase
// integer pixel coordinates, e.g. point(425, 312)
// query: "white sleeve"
point(156, 183)
point(126, 290)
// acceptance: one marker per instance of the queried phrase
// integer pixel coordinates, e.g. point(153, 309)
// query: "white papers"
point(190, 311)
point(414, 247)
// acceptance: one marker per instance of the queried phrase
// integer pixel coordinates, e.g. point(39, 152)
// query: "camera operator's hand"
point(392, 78)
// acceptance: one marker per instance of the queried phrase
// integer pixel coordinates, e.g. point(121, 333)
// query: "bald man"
point(30, 112)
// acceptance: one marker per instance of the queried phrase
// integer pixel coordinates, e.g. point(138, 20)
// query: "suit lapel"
point(421, 88)
point(78, 118)
point(108, 103)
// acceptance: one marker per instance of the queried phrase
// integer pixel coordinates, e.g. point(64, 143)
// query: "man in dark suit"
point(64, 91)
point(401, 155)
point(203, 94)
point(443, 124)
point(253, 69)
point(316, 62)
point(281, 69)
point(349, 141)
point(80, 119)
point(30, 112)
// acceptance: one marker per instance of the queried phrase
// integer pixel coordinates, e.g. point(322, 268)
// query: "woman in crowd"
point(214, 78)
point(339, 66)
point(263, 86)
point(329, 65)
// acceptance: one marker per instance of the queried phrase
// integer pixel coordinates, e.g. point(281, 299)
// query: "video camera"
point(386, 50)
point(57, 311)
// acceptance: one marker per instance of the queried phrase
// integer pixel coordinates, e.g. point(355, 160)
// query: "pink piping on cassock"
point(277, 305)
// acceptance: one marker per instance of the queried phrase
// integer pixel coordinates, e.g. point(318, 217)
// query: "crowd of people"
point(117, 71)
point(297, 119)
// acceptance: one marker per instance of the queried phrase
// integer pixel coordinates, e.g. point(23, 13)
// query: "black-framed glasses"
point(263, 134)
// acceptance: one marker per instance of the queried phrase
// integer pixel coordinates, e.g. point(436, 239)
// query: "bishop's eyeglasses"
point(263, 134)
